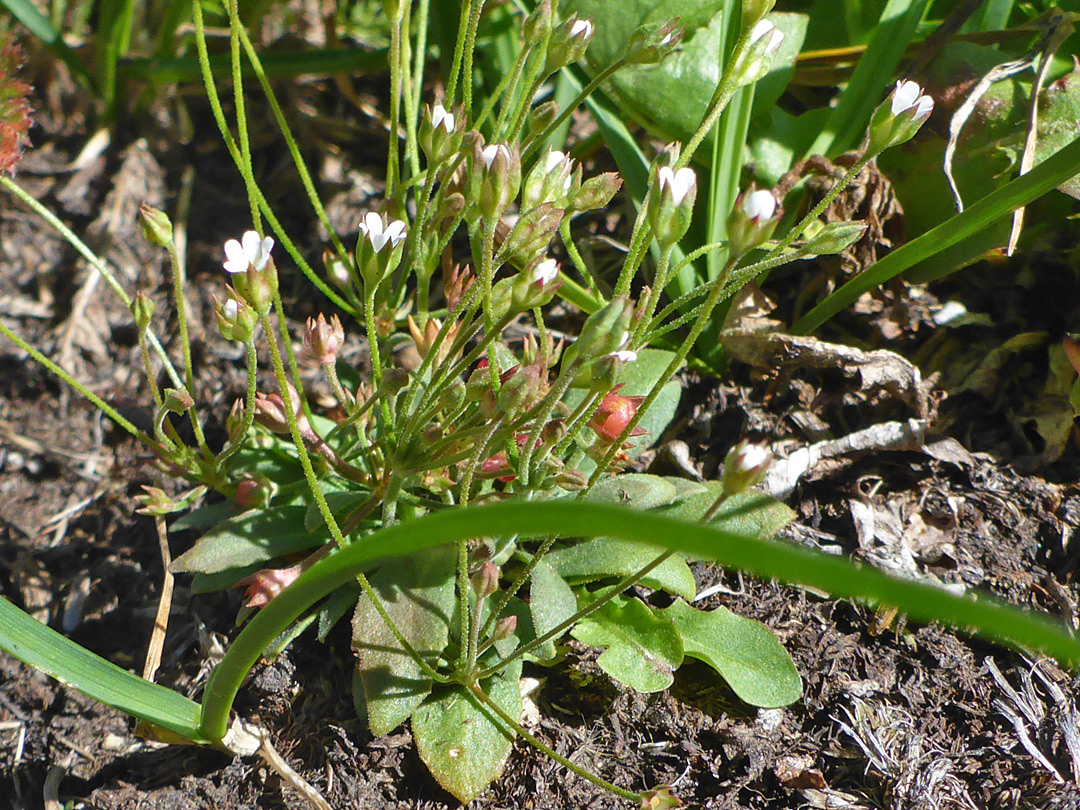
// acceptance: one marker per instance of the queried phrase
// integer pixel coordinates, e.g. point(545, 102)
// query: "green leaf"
point(745, 652)
point(43, 648)
point(462, 745)
point(551, 602)
point(607, 557)
point(752, 514)
point(418, 595)
point(252, 537)
point(641, 650)
point(204, 517)
point(641, 490)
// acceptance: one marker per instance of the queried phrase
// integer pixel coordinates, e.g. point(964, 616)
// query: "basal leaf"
point(551, 602)
point(606, 557)
point(252, 537)
point(640, 649)
point(750, 513)
point(461, 742)
point(418, 594)
point(745, 652)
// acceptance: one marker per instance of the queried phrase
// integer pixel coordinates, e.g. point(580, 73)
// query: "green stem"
point(479, 694)
point(476, 7)
point(459, 51)
point(252, 360)
point(245, 167)
point(395, 108)
point(588, 90)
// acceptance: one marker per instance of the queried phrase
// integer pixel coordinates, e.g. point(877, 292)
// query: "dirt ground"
point(893, 716)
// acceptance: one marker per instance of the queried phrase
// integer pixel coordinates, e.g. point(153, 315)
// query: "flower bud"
point(504, 628)
point(270, 410)
point(248, 494)
point(324, 339)
point(653, 41)
point(752, 221)
point(378, 249)
point(394, 10)
point(671, 204)
point(551, 180)
point(500, 178)
point(897, 119)
point(745, 466)
point(155, 502)
point(754, 11)
point(532, 234)
point(267, 584)
point(142, 310)
point(541, 116)
point(177, 400)
point(660, 798)
point(756, 58)
point(567, 43)
point(536, 284)
point(236, 320)
point(234, 422)
point(394, 381)
point(440, 134)
point(486, 580)
point(829, 238)
point(156, 227)
point(572, 480)
point(596, 192)
point(538, 23)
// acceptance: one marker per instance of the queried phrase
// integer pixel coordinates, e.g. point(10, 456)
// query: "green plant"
point(443, 509)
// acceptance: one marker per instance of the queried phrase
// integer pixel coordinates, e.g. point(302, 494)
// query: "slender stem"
point(459, 50)
point(519, 581)
point(477, 6)
point(245, 167)
point(626, 582)
point(588, 90)
point(97, 263)
point(252, 360)
point(423, 14)
point(507, 86)
point(395, 108)
point(148, 370)
point(724, 91)
point(479, 694)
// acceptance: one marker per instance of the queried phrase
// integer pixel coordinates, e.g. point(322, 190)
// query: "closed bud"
point(752, 221)
point(504, 628)
point(324, 339)
point(660, 798)
point(394, 10)
point(156, 227)
point(486, 580)
point(532, 233)
point(671, 204)
point(500, 178)
point(538, 23)
point(541, 116)
point(234, 422)
point(614, 414)
point(596, 192)
point(755, 60)
point(394, 381)
point(572, 480)
point(653, 41)
point(829, 238)
point(899, 117)
point(155, 502)
point(250, 494)
point(142, 310)
point(567, 43)
point(551, 180)
point(754, 11)
point(270, 410)
point(604, 332)
point(745, 466)
point(441, 133)
point(553, 432)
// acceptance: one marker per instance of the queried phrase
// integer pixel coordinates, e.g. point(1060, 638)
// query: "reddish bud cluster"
point(14, 108)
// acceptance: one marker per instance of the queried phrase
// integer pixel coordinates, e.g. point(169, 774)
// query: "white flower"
point(907, 96)
point(763, 28)
point(625, 355)
point(230, 309)
point(439, 115)
point(581, 28)
point(751, 456)
point(545, 272)
point(252, 251)
point(490, 151)
point(759, 205)
point(378, 232)
point(681, 182)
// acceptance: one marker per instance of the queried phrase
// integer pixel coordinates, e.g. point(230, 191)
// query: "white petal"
point(581, 28)
point(904, 96)
point(625, 355)
point(251, 242)
point(775, 39)
point(553, 159)
point(682, 183)
point(489, 153)
point(546, 271)
point(373, 225)
point(759, 205)
point(234, 257)
point(623, 340)
point(263, 253)
point(762, 28)
point(395, 232)
point(230, 309)
point(438, 113)
point(924, 108)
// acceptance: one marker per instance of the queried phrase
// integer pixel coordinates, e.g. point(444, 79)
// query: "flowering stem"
point(252, 360)
point(519, 580)
point(246, 170)
point(724, 91)
point(395, 108)
point(459, 51)
point(480, 695)
point(475, 7)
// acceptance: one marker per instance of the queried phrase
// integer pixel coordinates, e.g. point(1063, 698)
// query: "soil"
point(893, 715)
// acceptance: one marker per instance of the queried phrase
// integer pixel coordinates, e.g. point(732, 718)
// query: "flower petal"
point(234, 257)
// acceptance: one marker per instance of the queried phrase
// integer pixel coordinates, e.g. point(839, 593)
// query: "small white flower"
point(230, 309)
point(625, 355)
point(581, 28)
point(681, 182)
point(251, 251)
point(490, 151)
point(759, 205)
point(439, 115)
point(908, 95)
point(750, 456)
point(545, 272)
point(763, 28)
point(379, 233)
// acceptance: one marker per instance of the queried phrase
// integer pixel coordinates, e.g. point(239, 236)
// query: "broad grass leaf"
point(418, 594)
point(462, 745)
point(745, 652)
point(640, 649)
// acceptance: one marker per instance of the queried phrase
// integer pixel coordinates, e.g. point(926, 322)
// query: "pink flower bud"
point(324, 339)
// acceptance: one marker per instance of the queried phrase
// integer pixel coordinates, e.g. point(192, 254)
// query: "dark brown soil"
point(893, 717)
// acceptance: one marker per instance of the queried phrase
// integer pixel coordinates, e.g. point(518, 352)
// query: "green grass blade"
point(1049, 174)
point(276, 65)
point(38, 24)
point(893, 34)
point(43, 648)
point(574, 518)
